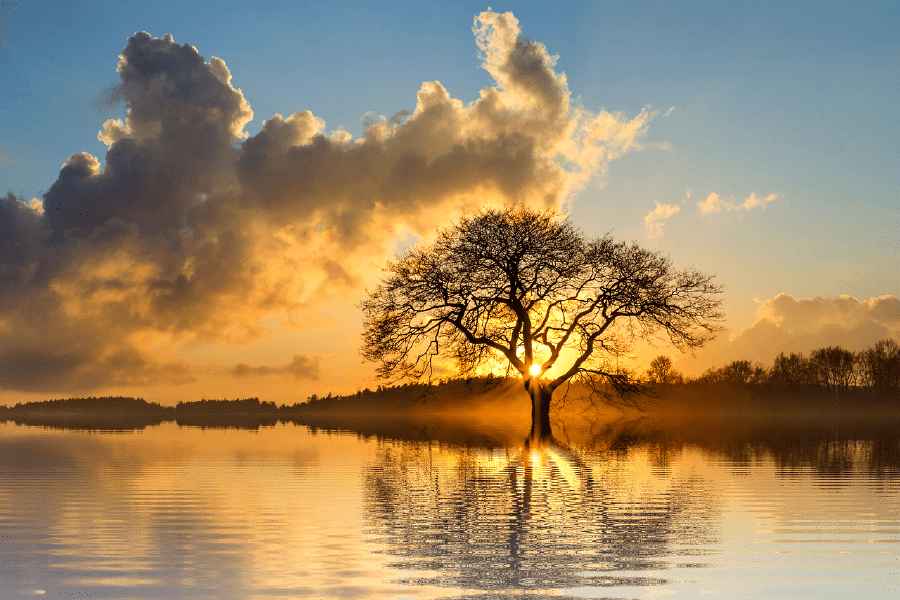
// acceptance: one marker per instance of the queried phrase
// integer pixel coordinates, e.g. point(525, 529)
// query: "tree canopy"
point(524, 290)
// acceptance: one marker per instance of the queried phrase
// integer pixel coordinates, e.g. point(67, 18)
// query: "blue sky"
point(759, 98)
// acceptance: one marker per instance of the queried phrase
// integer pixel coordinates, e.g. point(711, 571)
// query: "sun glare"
point(535, 369)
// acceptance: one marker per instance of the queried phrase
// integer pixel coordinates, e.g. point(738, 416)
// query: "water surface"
point(628, 510)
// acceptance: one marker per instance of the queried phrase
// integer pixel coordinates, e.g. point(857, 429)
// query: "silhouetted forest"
point(831, 379)
point(105, 412)
point(833, 370)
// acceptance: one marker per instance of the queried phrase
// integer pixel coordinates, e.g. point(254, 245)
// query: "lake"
point(627, 509)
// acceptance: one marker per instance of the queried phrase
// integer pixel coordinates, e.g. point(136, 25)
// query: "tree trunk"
point(540, 412)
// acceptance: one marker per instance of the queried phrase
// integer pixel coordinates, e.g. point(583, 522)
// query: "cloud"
point(752, 201)
point(715, 203)
point(787, 324)
point(301, 367)
point(654, 220)
point(192, 230)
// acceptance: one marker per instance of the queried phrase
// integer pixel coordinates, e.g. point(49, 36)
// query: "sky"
point(195, 198)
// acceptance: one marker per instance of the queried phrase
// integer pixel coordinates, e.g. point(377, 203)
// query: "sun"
point(535, 369)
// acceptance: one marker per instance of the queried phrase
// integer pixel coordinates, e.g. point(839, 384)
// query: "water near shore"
point(630, 509)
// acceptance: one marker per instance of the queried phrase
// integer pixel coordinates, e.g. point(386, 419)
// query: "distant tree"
point(661, 370)
point(738, 372)
point(791, 371)
point(879, 366)
point(834, 368)
point(524, 290)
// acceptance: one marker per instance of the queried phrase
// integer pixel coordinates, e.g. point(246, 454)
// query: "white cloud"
point(654, 220)
point(752, 201)
point(715, 203)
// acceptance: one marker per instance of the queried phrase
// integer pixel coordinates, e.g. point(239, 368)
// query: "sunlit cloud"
point(715, 203)
point(193, 230)
point(788, 324)
point(752, 201)
point(655, 219)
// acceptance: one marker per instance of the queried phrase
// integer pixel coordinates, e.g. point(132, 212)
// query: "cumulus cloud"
point(192, 230)
point(715, 203)
point(787, 324)
point(655, 219)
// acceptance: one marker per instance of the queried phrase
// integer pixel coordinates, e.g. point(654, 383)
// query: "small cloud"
point(654, 221)
point(301, 366)
point(715, 203)
point(670, 111)
point(752, 201)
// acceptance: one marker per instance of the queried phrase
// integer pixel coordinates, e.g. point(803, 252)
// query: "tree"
point(662, 371)
point(738, 372)
point(833, 368)
point(525, 291)
point(792, 371)
point(880, 366)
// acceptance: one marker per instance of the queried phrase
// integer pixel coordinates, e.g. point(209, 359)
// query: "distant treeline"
point(114, 411)
point(833, 370)
point(94, 406)
point(401, 392)
point(827, 372)
point(120, 412)
point(240, 406)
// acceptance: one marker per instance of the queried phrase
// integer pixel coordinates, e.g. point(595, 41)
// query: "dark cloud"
point(191, 230)
point(300, 367)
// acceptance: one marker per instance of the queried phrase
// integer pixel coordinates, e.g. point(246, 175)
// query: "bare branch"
point(514, 285)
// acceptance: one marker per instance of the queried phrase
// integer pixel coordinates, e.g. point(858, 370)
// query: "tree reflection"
point(532, 518)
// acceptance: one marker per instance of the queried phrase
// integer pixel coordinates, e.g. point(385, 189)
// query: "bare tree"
point(738, 372)
point(661, 370)
point(793, 371)
point(525, 291)
point(834, 368)
point(880, 366)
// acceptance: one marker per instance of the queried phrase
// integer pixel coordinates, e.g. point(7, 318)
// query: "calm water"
point(630, 511)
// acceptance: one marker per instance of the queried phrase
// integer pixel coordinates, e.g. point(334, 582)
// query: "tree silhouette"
point(880, 366)
point(524, 290)
point(661, 370)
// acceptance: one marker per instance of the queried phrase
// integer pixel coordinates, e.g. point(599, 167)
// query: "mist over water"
point(623, 509)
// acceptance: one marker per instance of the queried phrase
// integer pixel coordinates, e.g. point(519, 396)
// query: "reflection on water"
point(633, 509)
point(534, 519)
